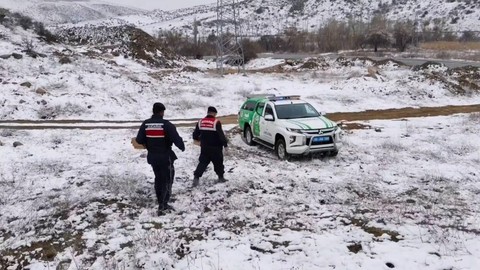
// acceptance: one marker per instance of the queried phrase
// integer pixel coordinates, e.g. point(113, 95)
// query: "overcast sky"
point(160, 4)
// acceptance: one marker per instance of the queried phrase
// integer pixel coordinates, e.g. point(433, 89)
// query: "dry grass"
point(451, 46)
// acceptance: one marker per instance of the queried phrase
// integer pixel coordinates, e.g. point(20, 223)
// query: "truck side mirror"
point(269, 117)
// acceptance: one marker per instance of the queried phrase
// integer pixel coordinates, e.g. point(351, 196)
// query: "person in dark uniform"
point(212, 140)
point(158, 135)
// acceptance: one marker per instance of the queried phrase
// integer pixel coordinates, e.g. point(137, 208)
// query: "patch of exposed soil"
point(428, 65)
point(20, 257)
point(315, 63)
point(403, 113)
point(367, 115)
point(120, 40)
point(376, 232)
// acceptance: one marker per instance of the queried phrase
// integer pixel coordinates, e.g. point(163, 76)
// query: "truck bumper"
point(309, 146)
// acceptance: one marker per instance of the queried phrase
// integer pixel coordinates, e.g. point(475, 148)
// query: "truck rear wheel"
point(248, 135)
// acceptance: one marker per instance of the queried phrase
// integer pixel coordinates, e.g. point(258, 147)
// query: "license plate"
point(321, 139)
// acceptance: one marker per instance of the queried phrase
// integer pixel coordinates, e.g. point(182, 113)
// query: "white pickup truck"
point(288, 125)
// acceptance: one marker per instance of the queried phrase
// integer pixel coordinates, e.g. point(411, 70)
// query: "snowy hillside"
point(401, 195)
point(259, 17)
point(102, 80)
point(59, 11)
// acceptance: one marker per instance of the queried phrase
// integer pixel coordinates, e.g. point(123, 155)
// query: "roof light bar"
point(277, 98)
point(261, 95)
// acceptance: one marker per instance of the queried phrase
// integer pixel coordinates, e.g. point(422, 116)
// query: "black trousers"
point(170, 184)
point(164, 173)
point(209, 154)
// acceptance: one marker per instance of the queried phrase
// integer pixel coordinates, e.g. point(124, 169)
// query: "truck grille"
point(317, 131)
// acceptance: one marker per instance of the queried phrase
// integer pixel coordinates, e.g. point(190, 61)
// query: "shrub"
point(6, 133)
point(24, 21)
point(297, 6)
point(68, 109)
point(44, 33)
point(403, 34)
point(250, 50)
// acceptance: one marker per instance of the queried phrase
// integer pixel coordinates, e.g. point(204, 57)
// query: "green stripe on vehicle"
point(332, 124)
point(324, 121)
point(295, 123)
point(305, 126)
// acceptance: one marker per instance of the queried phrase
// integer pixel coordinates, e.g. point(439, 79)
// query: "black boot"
point(196, 181)
point(169, 208)
point(161, 211)
point(221, 179)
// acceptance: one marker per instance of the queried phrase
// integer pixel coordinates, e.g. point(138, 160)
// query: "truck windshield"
point(292, 111)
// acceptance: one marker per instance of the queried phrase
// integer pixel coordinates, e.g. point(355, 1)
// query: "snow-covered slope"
point(259, 17)
point(104, 82)
point(59, 11)
point(403, 198)
point(273, 16)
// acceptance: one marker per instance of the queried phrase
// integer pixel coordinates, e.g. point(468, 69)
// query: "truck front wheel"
point(281, 149)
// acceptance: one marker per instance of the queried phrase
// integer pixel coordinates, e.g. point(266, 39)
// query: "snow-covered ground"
point(114, 88)
point(406, 197)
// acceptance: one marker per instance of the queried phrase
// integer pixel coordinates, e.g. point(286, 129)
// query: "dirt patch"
point(315, 63)
point(273, 69)
point(126, 40)
point(468, 77)
point(450, 46)
point(343, 61)
point(379, 63)
point(403, 113)
point(393, 62)
point(375, 231)
point(354, 126)
point(20, 257)
point(428, 65)
point(190, 69)
point(355, 247)
point(367, 115)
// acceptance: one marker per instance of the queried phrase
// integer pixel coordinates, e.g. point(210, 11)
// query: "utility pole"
point(229, 49)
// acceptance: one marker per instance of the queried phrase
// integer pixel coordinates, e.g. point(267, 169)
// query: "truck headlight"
point(299, 131)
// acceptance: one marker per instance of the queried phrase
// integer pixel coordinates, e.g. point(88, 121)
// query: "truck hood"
point(320, 122)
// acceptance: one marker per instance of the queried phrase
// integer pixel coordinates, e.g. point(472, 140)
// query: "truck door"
point(267, 123)
point(258, 115)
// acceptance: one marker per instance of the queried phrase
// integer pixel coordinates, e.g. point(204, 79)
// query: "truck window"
point(269, 110)
point(249, 106)
point(260, 107)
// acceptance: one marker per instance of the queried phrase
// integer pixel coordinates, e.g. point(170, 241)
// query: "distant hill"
point(273, 16)
point(260, 17)
point(53, 12)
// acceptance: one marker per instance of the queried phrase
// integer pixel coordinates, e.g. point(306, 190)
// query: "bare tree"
point(403, 33)
point(378, 34)
point(333, 36)
point(378, 39)
point(295, 40)
point(468, 36)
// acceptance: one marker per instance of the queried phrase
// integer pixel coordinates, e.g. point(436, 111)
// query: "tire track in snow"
point(385, 114)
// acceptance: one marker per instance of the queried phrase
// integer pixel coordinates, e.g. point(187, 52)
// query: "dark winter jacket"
point(210, 133)
point(158, 135)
